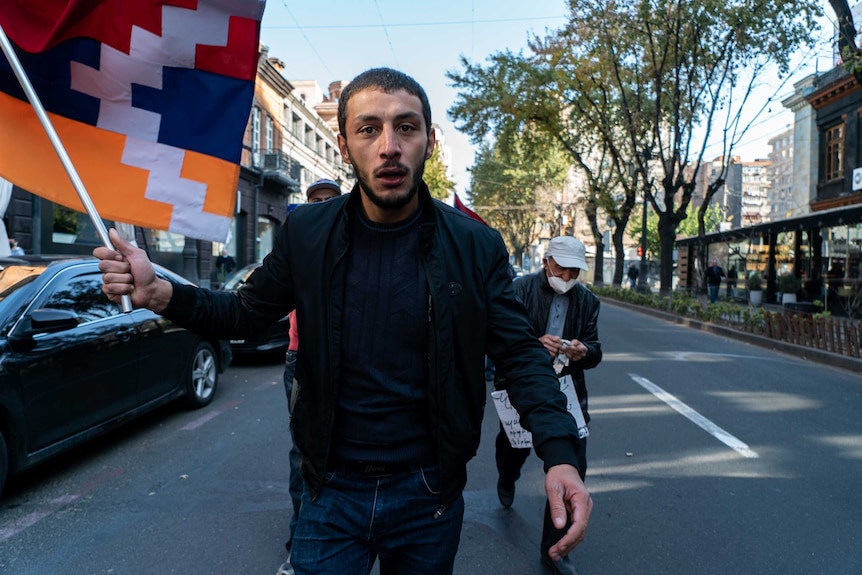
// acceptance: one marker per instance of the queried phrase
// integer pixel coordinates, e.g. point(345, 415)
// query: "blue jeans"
point(294, 457)
point(357, 519)
point(713, 292)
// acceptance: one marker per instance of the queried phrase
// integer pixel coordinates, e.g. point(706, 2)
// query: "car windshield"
point(239, 278)
point(13, 277)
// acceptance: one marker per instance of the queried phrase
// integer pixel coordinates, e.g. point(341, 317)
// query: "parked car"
point(74, 366)
point(272, 342)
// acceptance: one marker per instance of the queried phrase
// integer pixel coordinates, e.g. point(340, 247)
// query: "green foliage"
point(754, 318)
point(65, 220)
point(711, 219)
point(683, 304)
point(510, 185)
point(439, 185)
point(635, 75)
point(686, 228)
point(754, 281)
point(788, 283)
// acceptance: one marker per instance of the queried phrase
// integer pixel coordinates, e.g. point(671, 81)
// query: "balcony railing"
point(279, 166)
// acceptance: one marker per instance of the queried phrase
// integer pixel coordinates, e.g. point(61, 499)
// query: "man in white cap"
point(566, 313)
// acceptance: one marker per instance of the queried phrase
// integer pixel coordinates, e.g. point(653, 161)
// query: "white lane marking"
point(200, 421)
point(211, 414)
point(695, 417)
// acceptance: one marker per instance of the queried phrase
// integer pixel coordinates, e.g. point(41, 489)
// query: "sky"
point(338, 39)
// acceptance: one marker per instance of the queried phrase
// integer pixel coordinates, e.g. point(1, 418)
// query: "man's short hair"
point(386, 80)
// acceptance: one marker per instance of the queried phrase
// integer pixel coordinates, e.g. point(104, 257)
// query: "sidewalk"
point(813, 354)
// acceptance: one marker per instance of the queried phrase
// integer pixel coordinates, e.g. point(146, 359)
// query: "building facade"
point(781, 200)
point(822, 244)
point(756, 186)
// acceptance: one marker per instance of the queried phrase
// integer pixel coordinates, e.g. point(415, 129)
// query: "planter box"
point(801, 307)
point(756, 297)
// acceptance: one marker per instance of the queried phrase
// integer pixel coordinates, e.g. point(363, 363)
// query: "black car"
point(73, 365)
point(273, 341)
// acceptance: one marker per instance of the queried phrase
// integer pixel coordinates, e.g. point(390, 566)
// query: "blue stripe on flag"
point(50, 74)
point(200, 111)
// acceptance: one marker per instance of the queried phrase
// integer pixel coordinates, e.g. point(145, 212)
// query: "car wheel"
point(203, 376)
point(4, 462)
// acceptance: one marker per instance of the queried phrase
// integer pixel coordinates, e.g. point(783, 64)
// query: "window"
point(270, 135)
point(255, 128)
point(83, 296)
point(296, 126)
point(71, 227)
point(265, 236)
point(255, 135)
point(834, 164)
point(168, 242)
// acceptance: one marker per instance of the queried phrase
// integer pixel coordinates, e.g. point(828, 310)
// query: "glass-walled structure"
point(822, 250)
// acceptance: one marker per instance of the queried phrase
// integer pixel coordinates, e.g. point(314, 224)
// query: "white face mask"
point(560, 286)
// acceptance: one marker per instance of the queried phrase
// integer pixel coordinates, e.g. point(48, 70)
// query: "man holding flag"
point(400, 297)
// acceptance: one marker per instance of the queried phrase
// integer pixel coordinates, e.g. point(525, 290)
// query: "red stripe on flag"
point(39, 25)
point(242, 41)
point(459, 205)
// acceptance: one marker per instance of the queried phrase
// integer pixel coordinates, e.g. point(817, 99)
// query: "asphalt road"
point(706, 456)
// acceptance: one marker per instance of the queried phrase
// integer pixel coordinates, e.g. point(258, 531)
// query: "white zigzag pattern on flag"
point(164, 184)
point(182, 31)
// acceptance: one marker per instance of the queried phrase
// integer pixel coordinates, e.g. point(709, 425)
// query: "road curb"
point(798, 351)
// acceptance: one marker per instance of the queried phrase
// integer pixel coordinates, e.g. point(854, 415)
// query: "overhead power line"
point(412, 24)
point(386, 32)
point(310, 45)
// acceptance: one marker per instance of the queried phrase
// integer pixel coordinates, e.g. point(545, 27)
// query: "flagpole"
point(12, 57)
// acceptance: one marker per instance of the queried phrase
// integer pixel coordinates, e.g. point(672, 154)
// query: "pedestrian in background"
point(633, 274)
point(399, 297)
point(317, 192)
point(14, 248)
point(225, 264)
point(714, 274)
point(567, 314)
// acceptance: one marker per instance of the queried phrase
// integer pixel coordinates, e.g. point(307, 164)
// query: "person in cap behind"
point(567, 314)
point(322, 190)
point(319, 191)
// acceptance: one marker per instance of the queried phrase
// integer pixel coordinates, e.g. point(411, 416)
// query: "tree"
point(652, 80)
point(687, 228)
point(439, 184)
point(516, 94)
point(851, 54)
point(507, 179)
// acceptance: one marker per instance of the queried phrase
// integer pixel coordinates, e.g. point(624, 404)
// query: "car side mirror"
point(46, 321)
point(53, 320)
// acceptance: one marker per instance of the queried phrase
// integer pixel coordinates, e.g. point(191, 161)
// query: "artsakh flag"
point(150, 98)
point(459, 205)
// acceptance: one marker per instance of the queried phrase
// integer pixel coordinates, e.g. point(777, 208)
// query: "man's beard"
point(390, 202)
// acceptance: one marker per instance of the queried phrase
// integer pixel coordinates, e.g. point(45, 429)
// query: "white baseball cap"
point(568, 252)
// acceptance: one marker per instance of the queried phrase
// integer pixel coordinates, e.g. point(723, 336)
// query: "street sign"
point(857, 179)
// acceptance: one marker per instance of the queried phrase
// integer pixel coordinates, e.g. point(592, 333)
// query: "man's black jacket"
point(472, 310)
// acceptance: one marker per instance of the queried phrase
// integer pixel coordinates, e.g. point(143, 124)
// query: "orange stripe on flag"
point(117, 190)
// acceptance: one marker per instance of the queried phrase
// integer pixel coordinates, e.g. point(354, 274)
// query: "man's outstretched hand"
point(569, 499)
